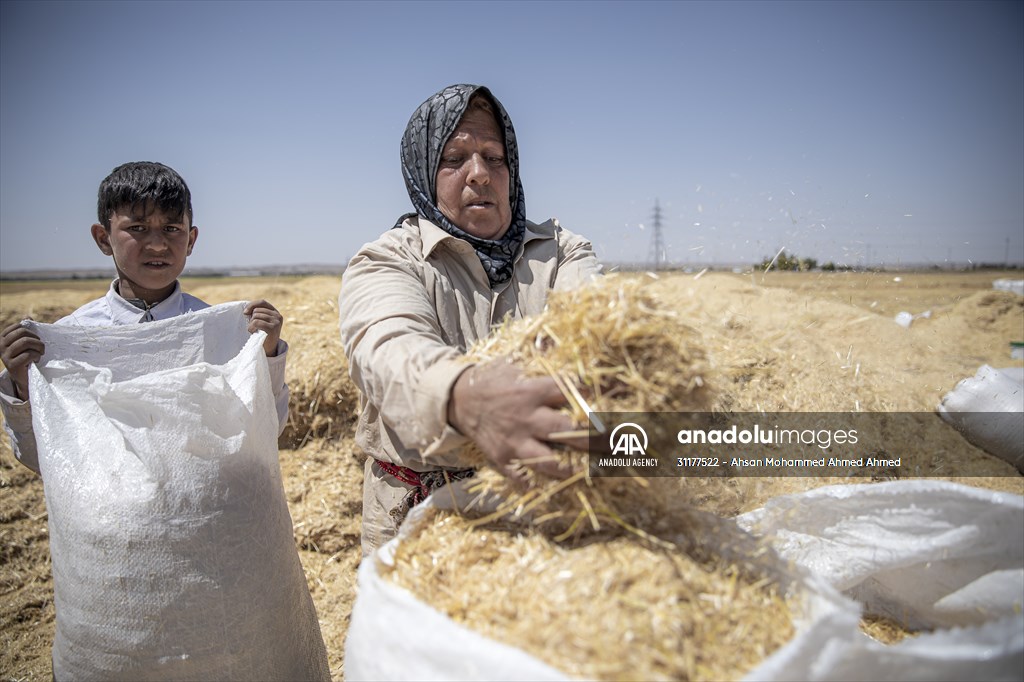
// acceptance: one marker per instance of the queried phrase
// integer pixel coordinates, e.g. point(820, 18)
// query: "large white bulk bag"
point(172, 547)
point(929, 554)
point(1014, 285)
point(988, 409)
point(932, 553)
point(435, 647)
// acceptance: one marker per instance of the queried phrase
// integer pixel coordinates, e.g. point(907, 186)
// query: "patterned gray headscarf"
point(429, 129)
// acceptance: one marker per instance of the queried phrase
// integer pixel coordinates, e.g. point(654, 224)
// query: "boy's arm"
point(277, 381)
point(18, 423)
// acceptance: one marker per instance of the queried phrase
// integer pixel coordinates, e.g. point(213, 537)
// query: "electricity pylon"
point(658, 257)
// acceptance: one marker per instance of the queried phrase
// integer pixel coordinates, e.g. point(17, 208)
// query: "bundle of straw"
point(324, 402)
point(612, 346)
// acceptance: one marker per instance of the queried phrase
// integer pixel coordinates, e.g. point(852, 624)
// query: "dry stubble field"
point(782, 342)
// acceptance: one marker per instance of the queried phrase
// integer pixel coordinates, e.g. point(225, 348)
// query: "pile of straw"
point(885, 630)
point(613, 609)
point(324, 402)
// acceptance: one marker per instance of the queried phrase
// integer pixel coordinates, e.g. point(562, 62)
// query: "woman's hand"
point(510, 417)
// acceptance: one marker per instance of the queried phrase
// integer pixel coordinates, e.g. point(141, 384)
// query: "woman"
point(415, 299)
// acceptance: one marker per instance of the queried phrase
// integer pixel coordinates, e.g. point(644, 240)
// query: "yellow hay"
point(885, 630)
point(614, 609)
point(613, 346)
point(617, 342)
point(323, 402)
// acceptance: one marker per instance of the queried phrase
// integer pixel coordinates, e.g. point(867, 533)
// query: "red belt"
point(422, 483)
point(409, 477)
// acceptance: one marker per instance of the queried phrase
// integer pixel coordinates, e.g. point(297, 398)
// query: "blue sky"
point(854, 132)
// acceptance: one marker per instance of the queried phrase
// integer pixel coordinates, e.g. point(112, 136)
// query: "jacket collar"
point(432, 236)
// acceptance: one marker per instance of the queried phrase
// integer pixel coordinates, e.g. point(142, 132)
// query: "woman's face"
point(472, 177)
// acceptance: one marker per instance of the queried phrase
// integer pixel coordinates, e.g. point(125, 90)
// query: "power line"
point(658, 258)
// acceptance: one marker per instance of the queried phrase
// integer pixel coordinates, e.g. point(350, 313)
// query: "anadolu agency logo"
point(629, 444)
point(628, 439)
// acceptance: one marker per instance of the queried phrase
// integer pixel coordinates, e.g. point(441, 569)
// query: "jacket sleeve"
point(18, 424)
point(277, 381)
point(397, 354)
point(578, 264)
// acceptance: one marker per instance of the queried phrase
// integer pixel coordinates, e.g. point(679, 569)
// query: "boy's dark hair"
point(144, 182)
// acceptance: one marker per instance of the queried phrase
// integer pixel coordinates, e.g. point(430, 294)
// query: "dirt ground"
point(781, 341)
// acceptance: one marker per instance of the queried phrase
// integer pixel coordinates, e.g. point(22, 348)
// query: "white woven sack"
point(930, 554)
point(988, 409)
point(434, 647)
point(173, 555)
point(1014, 285)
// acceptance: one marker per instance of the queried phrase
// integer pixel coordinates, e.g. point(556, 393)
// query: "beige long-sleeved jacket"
point(412, 302)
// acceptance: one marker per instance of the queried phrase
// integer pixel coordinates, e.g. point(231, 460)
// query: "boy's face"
point(149, 249)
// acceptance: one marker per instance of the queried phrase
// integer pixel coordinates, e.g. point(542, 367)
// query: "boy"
point(145, 225)
point(173, 563)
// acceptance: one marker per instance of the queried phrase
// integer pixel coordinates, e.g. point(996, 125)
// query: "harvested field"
point(784, 342)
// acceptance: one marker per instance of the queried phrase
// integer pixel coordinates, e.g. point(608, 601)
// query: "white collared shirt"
point(113, 310)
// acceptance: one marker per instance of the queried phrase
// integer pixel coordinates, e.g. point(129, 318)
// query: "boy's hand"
point(20, 347)
point(264, 317)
